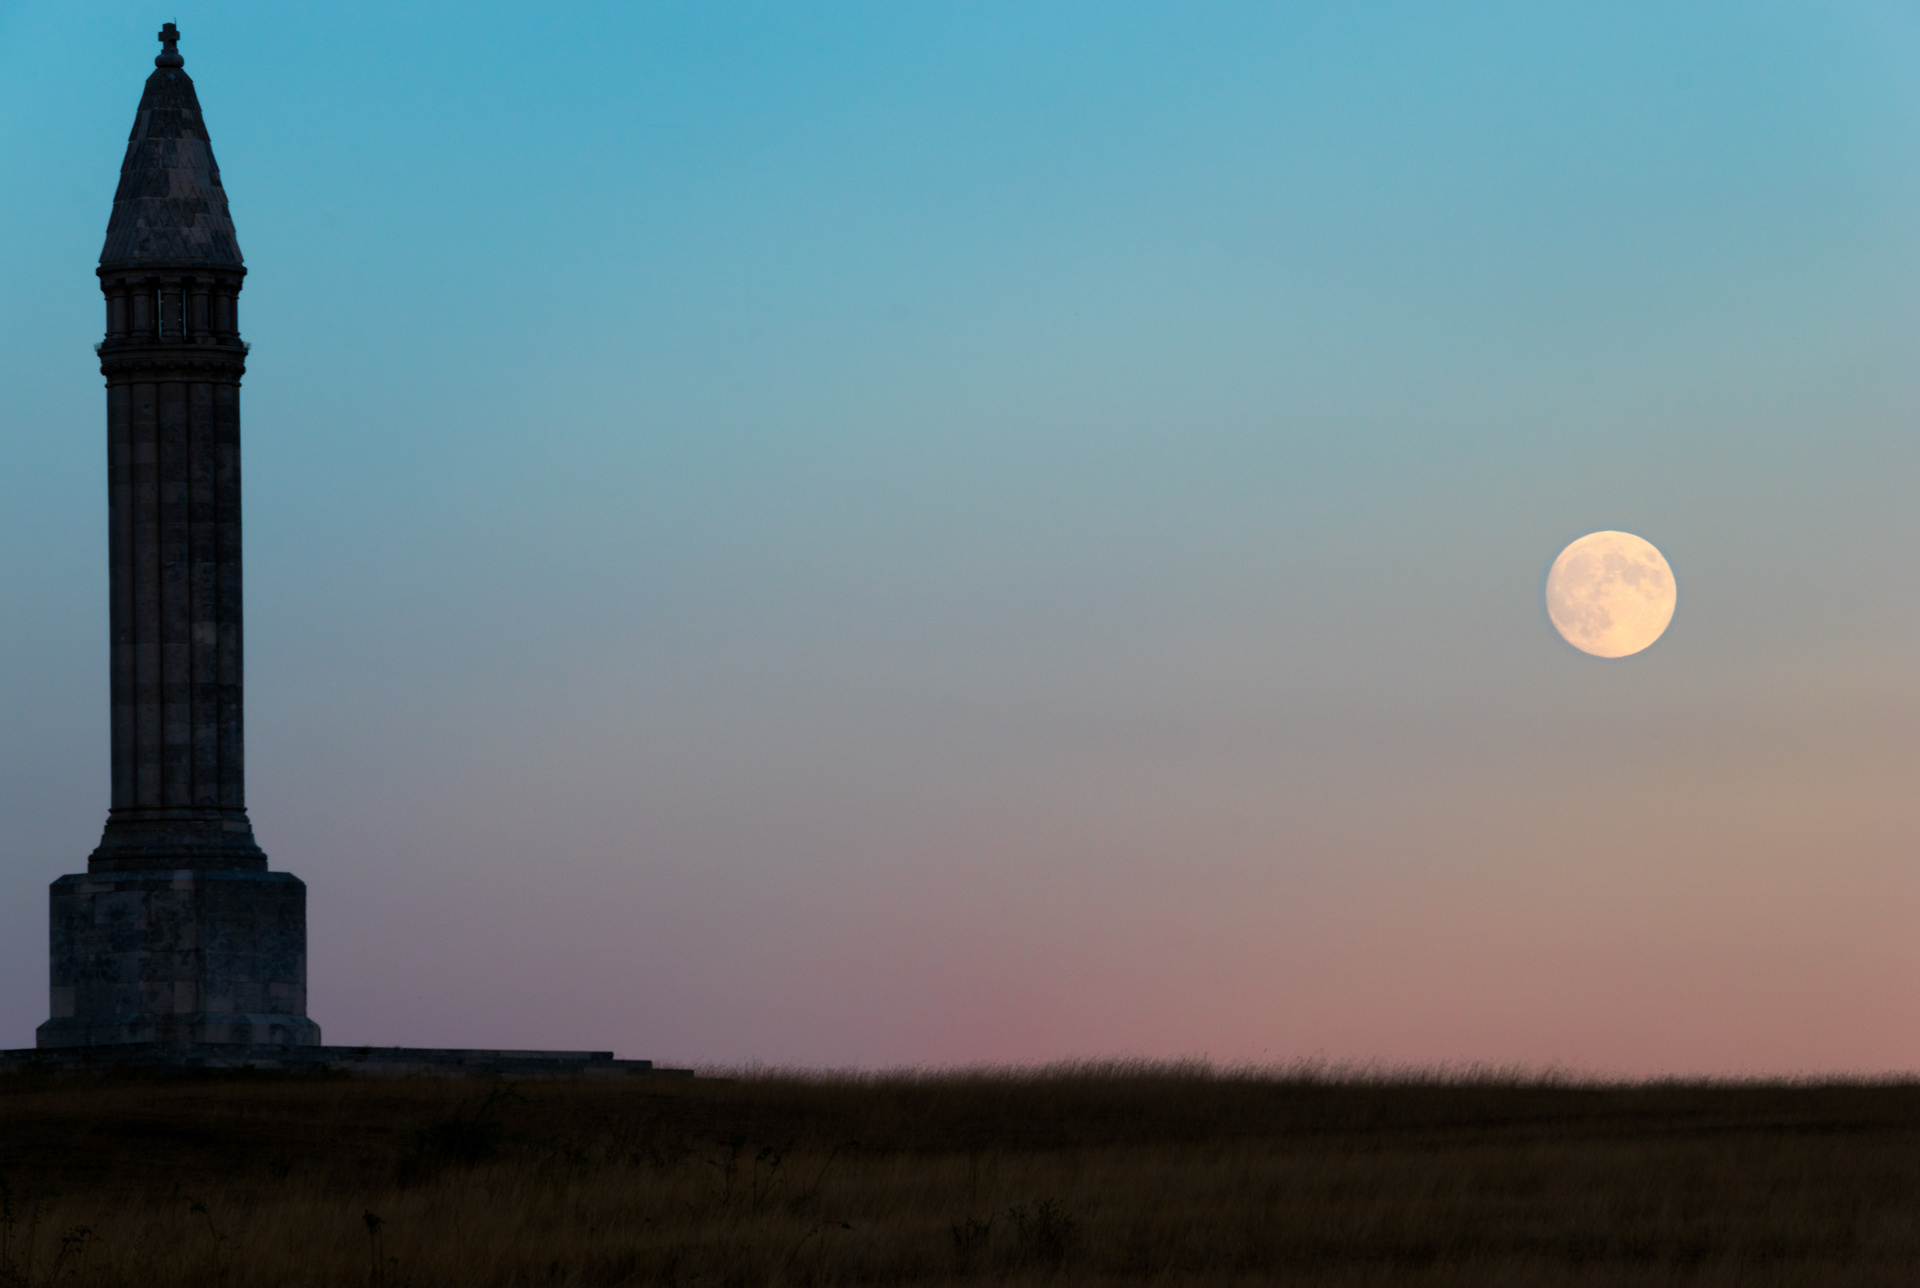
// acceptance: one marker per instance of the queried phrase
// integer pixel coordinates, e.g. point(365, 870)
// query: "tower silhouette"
point(177, 932)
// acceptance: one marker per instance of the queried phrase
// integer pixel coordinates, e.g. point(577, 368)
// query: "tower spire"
point(169, 210)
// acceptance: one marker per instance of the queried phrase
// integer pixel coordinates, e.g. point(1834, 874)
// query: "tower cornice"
point(209, 362)
point(141, 268)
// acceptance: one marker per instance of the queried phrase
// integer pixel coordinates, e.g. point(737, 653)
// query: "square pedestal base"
point(190, 956)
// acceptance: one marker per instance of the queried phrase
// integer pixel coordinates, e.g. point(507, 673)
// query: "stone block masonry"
point(184, 956)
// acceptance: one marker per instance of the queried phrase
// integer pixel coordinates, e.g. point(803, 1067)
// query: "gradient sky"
point(874, 534)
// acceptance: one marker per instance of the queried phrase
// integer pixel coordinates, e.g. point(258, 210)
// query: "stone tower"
point(177, 932)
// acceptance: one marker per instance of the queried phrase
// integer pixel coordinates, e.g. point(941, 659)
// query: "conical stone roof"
point(170, 208)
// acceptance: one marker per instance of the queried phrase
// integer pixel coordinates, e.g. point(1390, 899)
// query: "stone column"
point(173, 560)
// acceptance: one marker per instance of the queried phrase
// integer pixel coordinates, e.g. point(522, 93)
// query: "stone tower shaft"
point(173, 359)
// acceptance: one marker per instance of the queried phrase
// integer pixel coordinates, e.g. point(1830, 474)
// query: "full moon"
point(1610, 594)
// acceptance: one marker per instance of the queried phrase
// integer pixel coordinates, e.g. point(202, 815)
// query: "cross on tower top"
point(169, 56)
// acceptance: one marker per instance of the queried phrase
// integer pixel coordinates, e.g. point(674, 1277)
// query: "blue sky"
point(863, 534)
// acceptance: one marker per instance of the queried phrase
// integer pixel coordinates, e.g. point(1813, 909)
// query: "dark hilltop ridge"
point(1095, 1174)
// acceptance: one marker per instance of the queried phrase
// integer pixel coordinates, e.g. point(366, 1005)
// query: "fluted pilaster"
point(173, 363)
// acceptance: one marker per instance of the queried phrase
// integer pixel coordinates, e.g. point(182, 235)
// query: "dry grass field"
point(1083, 1175)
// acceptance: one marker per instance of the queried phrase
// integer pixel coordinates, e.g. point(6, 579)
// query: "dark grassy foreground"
point(1088, 1175)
